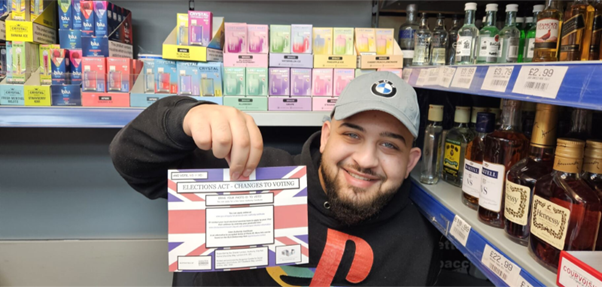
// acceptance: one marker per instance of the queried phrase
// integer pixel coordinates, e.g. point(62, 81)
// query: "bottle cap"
point(520, 19)
point(529, 19)
point(440, 16)
point(512, 8)
point(485, 122)
point(544, 127)
point(462, 115)
point(411, 8)
point(484, 19)
point(529, 106)
point(475, 111)
point(470, 6)
point(593, 156)
point(569, 155)
point(491, 7)
point(538, 8)
point(435, 113)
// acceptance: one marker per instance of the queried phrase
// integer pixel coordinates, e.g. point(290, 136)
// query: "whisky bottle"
point(581, 124)
point(503, 148)
point(455, 146)
point(473, 161)
point(549, 23)
point(594, 47)
point(467, 37)
point(576, 31)
point(522, 176)
point(489, 45)
point(432, 142)
point(592, 174)
point(473, 117)
point(565, 210)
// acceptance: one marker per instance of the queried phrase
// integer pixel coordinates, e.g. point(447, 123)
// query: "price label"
point(539, 81)
point(433, 77)
point(422, 77)
point(463, 77)
point(500, 265)
point(497, 79)
point(522, 282)
point(460, 230)
point(405, 75)
point(447, 74)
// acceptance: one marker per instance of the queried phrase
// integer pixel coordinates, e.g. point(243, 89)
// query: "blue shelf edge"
point(66, 117)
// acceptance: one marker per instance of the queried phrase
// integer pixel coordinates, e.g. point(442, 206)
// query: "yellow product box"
point(322, 41)
point(211, 53)
point(365, 40)
point(384, 41)
point(40, 30)
point(394, 60)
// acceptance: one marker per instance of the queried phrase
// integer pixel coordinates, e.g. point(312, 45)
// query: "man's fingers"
point(221, 137)
point(201, 133)
point(240, 145)
point(256, 146)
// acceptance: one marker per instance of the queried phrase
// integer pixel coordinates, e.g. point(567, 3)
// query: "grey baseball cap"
point(380, 91)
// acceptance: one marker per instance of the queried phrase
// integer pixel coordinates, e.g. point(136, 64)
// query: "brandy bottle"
point(522, 176)
point(565, 210)
point(473, 161)
point(503, 148)
point(592, 174)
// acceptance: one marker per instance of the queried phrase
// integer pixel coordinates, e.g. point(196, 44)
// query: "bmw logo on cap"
point(384, 88)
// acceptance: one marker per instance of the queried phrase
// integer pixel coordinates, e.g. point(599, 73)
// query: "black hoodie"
point(402, 242)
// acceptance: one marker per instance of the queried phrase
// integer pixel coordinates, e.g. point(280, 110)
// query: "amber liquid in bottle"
point(565, 210)
point(547, 35)
point(521, 178)
point(503, 148)
point(594, 47)
point(592, 175)
point(473, 162)
point(576, 31)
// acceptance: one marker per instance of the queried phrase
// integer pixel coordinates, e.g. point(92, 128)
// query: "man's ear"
point(414, 157)
point(325, 135)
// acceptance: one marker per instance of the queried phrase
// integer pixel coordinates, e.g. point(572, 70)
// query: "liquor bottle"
point(439, 42)
point(594, 47)
point(432, 142)
point(509, 37)
point(522, 176)
point(473, 161)
point(530, 36)
point(503, 148)
point(406, 35)
point(422, 43)
point(565, 210)
point(592, 174)
point(529, 23)
point(528, 118)
point(520, 24)
point(473, 117)
point(452, 41)
point(581, 124)
point(467, 36)
point(549, 23)
point(576, 31)
point(455, 146)
point(498, 119)
point(489, 45)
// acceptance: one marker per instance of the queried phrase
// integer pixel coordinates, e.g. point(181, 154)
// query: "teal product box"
point(70, 39)
point(12, 95)
point(65, 14)
point(280, 39)
point(66, 95)
point(189, 79)
point(166, 77)
point(234, 81)
point(211, 79)
point(257, 81)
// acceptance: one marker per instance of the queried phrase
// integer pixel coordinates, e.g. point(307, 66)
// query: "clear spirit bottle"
point(432, 142)
point(422, 43)
point(530, 36)
point(509, 37)
point(473, 161)
point(489, 45)
point(547, 34)
point(467, 36)
point(456, 141)
point(592, 174)
point(452, 41)
point(439, 42)
point(406, 35)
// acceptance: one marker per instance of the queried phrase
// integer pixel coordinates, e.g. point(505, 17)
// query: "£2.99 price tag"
point(422, 77)
point(539, 81)
point(500, 265)
point(460, 230)
point(405, 75)
point(463, 77)
point(497, 78)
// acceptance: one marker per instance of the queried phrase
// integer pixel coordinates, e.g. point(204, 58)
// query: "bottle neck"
point(435, 124)
point(470, 17)
point(440, 22)
point(552, 4)
point(460, 125)
point(456, 22)
point(535, 18)
point(491, 18)
point(511, 118)
point(510, 18)
point(538, 153)
point(580, 121)
point(423, 23)
point(411, 17)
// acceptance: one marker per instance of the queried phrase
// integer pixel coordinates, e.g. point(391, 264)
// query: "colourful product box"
point(359, 72)
point(384, 41)
point(279, 82)
point(22, 61)
point(257, 81)
point(3, 7)
point(88, 21)
point(323, 104)
point(280, 39)
point(3, 64)
point(75, 66)
point(322, 41)
point(234, 81)
point(322, 82)
point(166, 77)
point(365, 39)
point(397, 72)
point(289, 104)
point(301, 82)
point(20, 9)
point(60, 66)
point(70, 38)
point(76, 10)
point(94, 71)
point(258, 39)
point(95, 46)
point(343, 41)
point(46, 63)
point(236, 37)
point(200, 28)
point(66, 95)
point(112, 15)
point(148, 75)
point(101, 26)
point(119, 75)
point(37, 7)
point(342, 77)
point(182, 33)
point(9, 61)
point(211, 79)
point(189, 79)
point(105, 99)
point(301, 36)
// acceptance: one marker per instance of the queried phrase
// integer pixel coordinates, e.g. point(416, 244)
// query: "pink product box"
point(199, 28)
point(323, 103)
point(289, 104)
point(245, 60)
point(342, 77)
point(236, 38)
point(119, 75)
point(301, 82)
point(94, 73)
point(279, 82)
point(258, 39)
point(322, 82)
point(397, 72)
point(105, 100)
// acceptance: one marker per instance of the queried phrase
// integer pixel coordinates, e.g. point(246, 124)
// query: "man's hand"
point(229, 133)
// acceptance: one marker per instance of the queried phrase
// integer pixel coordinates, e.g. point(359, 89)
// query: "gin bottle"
point(467, 36)
point(432, 141)
point(530, 36)
point(455, 147)
point(439, 42)
point(509, 37)
point(452, 41)
point(489, 45)
point(422, 43)
point(406, 35)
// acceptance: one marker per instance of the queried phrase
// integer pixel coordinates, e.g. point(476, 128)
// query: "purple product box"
point(77, 14)
point(289, 104)
point(301, 82)
point(95, 46)
point(88, 22)
point(101, 19)
point(199, 27)
point(279, 82)
point(292, 60)
point(70, 39)
point(66, 95)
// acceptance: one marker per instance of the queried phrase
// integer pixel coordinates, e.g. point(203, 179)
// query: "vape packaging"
point(280, 39)
point(24, 61)
point(112, 15)
point(236, 37)
point(322, 82)
point(166, 77)
point(199, 27)
point(279, 82)
point(257, 81)
point(258, 39)
point(384, 41)
point(3, 7)
point(94, 47)
point(301, 82)
point(189, 78)
point(37, 7)
point(70, 38)
point(101, 19)
point(94, 71)
point(9, 62)
point(211, 79)
point(360, 72)
point(60, 66)
point(322, 42)
point(75, 66)
point(20, 9)
point(3, 64)
point(46, 63)
point(342, 77)
point(65, 14)
point(88, 22)
point(66, 95)
point(343, 41)
point(119, 75)
point(397, 72)
point(148, 75)
point(76, 12)
point(365, 39)
point(234, 81)
point(301, 36)
point(182, 33)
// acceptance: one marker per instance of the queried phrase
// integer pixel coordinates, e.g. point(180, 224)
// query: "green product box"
point(280, 39)
point(257, 81)
point(234, 81)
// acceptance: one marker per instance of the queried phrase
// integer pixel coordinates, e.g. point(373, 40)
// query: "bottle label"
point(438, 56)
point(489, 47)
point(530, 48)
point(569, 165)
point(471, 180)
point(546, 35)
point(592, 165)
point(408, 54)
point(573, 25)
point(492, 185)
point(407, 34)
point(511, 44)
point(549, 222)
point(516, 206)
point(419, 54)
point(463, 46)
point(451, 160)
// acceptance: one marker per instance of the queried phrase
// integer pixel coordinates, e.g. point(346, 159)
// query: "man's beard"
point(349, 212)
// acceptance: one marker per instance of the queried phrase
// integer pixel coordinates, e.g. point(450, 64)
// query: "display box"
point(335, 61)
point(247, 103)
point(76, 13)
point(60, 66)
point(322, 41)
point(323, 103)
point(322, 82)
point(301, 82)
point(236, 38)
point(257, 81)
point(70, 39)
point(75, 67)
point(280, 39)
point(117, 44)
point(301, 36)
point(40, 30)
point(211, 53)
point(384, 41)
point(289, 104)
point(189, 79)
point(37, 95)
point(94, 74)
point(166, 77)
point(258, 39)
point(234, 81)
point(211, 79)
point(65, 14)
point(342, 41)
point(24, 60)
point(279, 82)
point(291, 60)
point(393, 61)
point(119, 75)
point(105, 99)
point(101, 19)
point(245, 60)
point(32, 93)
point(342, 77)
point(579, 268)
point(66, 95)
point(11, 95)
point(200, 28)
point(88, 18)
point(365, 39)
point(21, 10)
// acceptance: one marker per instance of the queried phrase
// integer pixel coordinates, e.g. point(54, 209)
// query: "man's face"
point(365, 159)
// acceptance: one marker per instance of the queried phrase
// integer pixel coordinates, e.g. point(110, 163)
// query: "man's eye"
point(390, 145)
point(352, 135)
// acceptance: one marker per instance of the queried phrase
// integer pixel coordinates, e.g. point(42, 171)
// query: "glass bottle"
point(529, 23)
point(581, 124)
point(439, 42)
point(530, 36)
point(473, 161)
point(455, 146)
point(452, 41)
point(473, 117)
point(594, 47)
point(528, 118)
point(422, 43)
point(503, 148)
point(509, 37)
point(576, 31)
point(467, 36)
point(522, 176)
point(520, 24)
point(406, 35)
point(549, 23)
point(592, 174)
point(432, 142)
point(565, 210)
point(489, 45)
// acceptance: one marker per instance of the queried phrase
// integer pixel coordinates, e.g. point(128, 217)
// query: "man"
point(363, 229)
